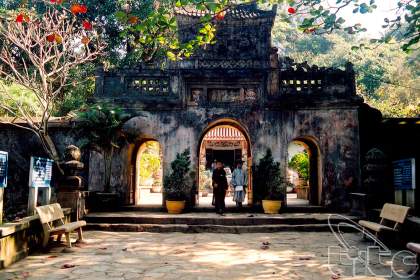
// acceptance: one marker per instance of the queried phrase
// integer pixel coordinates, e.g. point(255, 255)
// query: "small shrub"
point(176, 184)
point(267, 179)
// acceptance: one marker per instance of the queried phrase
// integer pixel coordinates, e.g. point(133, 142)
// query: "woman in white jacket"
point(239, 183)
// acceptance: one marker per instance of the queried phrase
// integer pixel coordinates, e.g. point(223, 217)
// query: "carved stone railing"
point(148, 85)
point(302, 78)
point(134, 83)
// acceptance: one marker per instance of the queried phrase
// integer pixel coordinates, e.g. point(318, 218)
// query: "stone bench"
point(415, 247)
point(20, 238)
point(49, 214)
point(392, 216)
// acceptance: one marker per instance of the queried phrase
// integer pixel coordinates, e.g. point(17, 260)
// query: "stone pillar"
point(71, 192)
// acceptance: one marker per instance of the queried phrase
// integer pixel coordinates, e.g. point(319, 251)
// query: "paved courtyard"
point(123, 256)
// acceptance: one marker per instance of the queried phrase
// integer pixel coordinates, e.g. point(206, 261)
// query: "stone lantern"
point(71, 192)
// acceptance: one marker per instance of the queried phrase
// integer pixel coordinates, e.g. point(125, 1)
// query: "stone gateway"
point(239, 82)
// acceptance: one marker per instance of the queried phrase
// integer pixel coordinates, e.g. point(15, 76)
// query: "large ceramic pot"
point(271, 206)
point(175, 207)
point(156, 189)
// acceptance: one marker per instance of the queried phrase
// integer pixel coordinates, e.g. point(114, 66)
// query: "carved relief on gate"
point(199, 96)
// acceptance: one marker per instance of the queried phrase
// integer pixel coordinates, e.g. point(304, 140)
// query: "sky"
point(372, 21)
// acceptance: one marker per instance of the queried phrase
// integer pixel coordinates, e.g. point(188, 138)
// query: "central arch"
point(234, 130)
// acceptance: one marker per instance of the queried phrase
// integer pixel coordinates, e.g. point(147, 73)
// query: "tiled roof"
point(224, 133)
point(239, 11)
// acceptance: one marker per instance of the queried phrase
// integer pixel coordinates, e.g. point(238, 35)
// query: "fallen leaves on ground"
point(67, 265)
point(177, 252)
point(265, 247)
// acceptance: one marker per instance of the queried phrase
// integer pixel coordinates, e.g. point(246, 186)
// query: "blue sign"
point(3, 169)
point(40, 172)
point(404, 174)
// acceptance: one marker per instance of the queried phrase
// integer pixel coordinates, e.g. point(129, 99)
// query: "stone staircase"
point(197, 222)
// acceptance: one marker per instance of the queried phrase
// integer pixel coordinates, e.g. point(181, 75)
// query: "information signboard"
point(404, 174)
point(3, 169)
point(40, 172)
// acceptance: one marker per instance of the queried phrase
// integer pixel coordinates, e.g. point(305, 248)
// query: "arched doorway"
point(303, 172)
point(227, 141)
point(148, 174)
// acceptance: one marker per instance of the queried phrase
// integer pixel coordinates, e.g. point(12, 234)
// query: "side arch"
point(315, 167)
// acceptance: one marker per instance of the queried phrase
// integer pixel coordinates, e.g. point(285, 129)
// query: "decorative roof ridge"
point(237, 11)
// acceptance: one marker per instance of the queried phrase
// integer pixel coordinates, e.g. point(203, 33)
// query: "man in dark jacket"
point(220, 186)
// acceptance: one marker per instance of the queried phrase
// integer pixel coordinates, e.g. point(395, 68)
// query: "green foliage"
point(386, 77)
point(300, 163)
point(176, 184)
point(75, 96)
point(319, 17)
point(149, 161)
point(151, 32)
point(12, 96)
point(267, 179)
point(101, 129)
point(102, 123)
point(145, 31)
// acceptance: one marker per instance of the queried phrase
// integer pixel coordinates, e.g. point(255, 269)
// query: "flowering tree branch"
point(37, 52)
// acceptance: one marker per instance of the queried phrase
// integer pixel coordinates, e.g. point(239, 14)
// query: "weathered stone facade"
point(239, 81)
point(21, 145)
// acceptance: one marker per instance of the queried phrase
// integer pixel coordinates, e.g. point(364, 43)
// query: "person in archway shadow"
point(239, 183)
point(220, 186)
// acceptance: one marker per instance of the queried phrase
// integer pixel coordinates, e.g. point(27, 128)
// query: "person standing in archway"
point(220, 186)
point(239, 183)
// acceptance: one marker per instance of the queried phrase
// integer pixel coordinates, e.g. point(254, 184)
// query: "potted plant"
point(100, 128)
point(176, 184)
point(271, 185)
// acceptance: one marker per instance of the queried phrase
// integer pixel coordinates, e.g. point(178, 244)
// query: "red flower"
point(220, 15)
point(19, 18)
point(87, 25)
point(83, 9)
point(291, 10)
point(78, 9)
point(51, 38)
point(58, 2)
point(85, 40)
point(133, 19)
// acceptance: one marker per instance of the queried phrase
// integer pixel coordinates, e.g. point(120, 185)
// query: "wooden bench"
point(52, 219)
point(415, 247)
point(392, 215)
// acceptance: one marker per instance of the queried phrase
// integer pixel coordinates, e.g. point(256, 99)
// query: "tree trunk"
point(108, 153)
point(50, 149)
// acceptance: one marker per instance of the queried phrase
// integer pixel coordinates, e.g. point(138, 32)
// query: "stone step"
point(210, 209)
point(211, 219)
point(211, 222)
point(184, 228)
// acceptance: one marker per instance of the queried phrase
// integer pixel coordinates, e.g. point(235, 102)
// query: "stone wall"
point(21, 145)
point(333, 131)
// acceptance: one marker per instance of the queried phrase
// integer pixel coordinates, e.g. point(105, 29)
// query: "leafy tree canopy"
point(316, 31)
point(300, 163)
point(386, 76)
